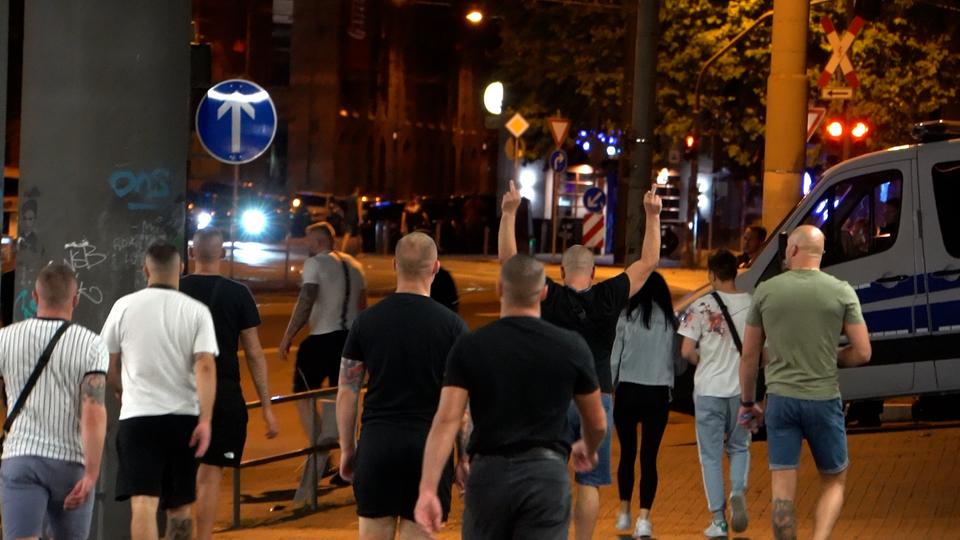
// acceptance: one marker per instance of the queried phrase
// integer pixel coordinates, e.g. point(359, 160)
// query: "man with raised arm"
point(801, 314)
point(402, 342)
point(235, 320)
point(162, 347)
point(520, 375)
point(591, 310)
point(52, 454)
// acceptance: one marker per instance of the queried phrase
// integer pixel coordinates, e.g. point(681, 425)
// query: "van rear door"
point(865, 212)
point(940, 218)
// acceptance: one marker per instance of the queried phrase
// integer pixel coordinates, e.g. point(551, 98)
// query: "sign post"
point(839, 57)
point(559, 128)
point(236, 122)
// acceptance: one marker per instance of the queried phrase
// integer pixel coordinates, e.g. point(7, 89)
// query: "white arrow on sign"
point(836, 92)
point(595, 199)
point(235, 107)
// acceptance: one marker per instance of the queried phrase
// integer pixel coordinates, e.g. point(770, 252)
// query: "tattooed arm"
point(301, 314)
point(352, 373)
point(93, 431)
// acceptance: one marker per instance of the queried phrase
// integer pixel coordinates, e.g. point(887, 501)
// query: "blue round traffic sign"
point(558, 161)
point(236, 121)
point(594, 199)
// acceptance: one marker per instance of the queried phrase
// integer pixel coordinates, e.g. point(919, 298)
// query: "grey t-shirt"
point(644, 355)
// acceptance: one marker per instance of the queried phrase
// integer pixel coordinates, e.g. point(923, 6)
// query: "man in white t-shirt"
point(717, 389)
point(333, 292)
point(162, 346)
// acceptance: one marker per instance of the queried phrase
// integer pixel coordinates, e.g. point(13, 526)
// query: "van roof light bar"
point(936, 130)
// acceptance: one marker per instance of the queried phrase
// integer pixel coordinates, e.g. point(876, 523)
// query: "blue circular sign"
point(236, 121)
point(594, 199)
point(558, 161)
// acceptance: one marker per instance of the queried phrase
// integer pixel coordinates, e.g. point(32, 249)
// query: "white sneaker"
point(717, 529)
point(738, 512)
point(643, 529)
point(623, 521)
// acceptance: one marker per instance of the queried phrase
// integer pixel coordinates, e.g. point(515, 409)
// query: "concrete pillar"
point(105, 131)
point(786, 128)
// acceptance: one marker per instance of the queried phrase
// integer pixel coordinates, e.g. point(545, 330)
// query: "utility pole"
point(785, 132)
point(642, 115)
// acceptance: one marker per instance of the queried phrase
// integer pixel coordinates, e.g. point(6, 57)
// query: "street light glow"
point(474, 16)
point(860, 130)
point(835, 129)
point(493, 97)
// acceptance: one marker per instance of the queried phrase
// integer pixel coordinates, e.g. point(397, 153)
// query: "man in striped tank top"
point(52, 453)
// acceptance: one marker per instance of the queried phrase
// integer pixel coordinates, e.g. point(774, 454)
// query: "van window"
point(946, 189)
point(859, 216)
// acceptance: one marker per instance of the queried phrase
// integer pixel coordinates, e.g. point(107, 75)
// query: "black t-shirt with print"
point(520, 373)
point(592, 314)
point(233, 309)
point(403, 342)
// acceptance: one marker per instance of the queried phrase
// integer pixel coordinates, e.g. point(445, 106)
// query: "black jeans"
point(648, 406)
point(522, 497)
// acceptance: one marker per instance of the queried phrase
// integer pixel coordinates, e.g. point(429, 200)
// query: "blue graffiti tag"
point(150, 187)
point(26, 304)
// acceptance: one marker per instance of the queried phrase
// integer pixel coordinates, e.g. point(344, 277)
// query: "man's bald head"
point(56, 286)
point(208, 245)
point(805, 247)
point(577, 260)
point(522, 280)
point(416, 256)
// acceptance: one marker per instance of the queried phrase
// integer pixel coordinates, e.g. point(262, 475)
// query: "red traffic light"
point(859, 130)
point(835, 129)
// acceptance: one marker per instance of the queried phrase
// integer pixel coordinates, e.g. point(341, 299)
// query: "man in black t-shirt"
point(402, 342)
point(235, 321)
point(591, 310)
point(519, 375)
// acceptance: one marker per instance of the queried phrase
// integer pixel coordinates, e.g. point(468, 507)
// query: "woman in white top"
point(643, 359)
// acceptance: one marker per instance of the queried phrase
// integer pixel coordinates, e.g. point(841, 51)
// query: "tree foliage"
point(571, 58)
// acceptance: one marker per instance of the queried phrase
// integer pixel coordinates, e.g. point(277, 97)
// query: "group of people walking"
point(498, 412)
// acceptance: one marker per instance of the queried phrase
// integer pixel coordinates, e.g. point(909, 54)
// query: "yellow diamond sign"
point(517, 125)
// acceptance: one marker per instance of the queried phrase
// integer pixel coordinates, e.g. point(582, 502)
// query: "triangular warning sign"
point(559, 127)
point(814, 117)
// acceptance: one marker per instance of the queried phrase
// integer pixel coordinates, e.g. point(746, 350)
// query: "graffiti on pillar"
point(83, 256)
point(144, 190)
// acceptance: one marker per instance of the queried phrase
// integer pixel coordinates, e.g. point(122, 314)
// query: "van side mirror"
point(782, 250)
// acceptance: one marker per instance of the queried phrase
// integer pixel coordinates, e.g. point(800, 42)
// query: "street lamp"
point(474, 16)
point(493, 97)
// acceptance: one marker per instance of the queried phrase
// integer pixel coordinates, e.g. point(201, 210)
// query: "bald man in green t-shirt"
point(801, 315)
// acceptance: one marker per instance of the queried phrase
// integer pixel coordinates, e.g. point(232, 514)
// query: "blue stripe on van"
point(920, 315)
point(888, 320)
point(940, 284)
point(877, 293)
point(946, 313)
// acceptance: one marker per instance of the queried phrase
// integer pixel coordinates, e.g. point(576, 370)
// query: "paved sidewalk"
point(903, 484)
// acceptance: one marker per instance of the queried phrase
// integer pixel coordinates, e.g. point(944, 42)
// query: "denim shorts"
point(820, 422)
point(600, 475)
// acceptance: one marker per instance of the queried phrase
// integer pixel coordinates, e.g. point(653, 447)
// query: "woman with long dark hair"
point(643, 360)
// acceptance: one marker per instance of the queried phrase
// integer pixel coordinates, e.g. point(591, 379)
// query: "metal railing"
point(313, 451)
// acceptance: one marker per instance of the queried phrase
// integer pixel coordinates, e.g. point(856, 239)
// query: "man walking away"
point(519, 375)
point(235, 321)
point(403, 343)
point(162, 346)
point(801, 313)
point(714, 323)
point(333, 292)
point(52, 452)
point(592, 311)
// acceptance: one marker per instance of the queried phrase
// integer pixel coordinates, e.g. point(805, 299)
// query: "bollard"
point(286, 263)
point(436, 234)
point(314, 457)
point(486, 240)
point(236, 497)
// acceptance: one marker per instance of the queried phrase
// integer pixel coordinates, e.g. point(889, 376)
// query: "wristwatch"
point(747, 404)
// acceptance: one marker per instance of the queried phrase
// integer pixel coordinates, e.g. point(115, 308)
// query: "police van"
point(892, 225)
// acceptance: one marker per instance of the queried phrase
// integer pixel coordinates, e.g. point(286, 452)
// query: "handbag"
point(32, 381)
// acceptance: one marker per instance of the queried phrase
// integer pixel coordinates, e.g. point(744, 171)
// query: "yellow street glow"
point(475, 16)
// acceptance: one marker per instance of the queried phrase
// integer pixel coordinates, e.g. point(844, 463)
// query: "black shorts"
point(386, 482)
point(318, 359)
point(229, 427)
point(155, 459)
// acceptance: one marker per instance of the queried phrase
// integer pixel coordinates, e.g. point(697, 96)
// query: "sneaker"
point(717, 529)
point(643, 529)
point(738, 512)
point(623, 521)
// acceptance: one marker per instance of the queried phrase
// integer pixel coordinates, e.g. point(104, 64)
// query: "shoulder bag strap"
point(32, 381)
point(729, 319)
point(344, 309)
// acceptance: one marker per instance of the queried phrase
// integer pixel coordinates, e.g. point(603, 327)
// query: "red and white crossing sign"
point(814, 118)
point(593, 231)
point(840, 46)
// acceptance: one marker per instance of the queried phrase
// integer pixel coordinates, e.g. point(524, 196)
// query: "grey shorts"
point(29, 484)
